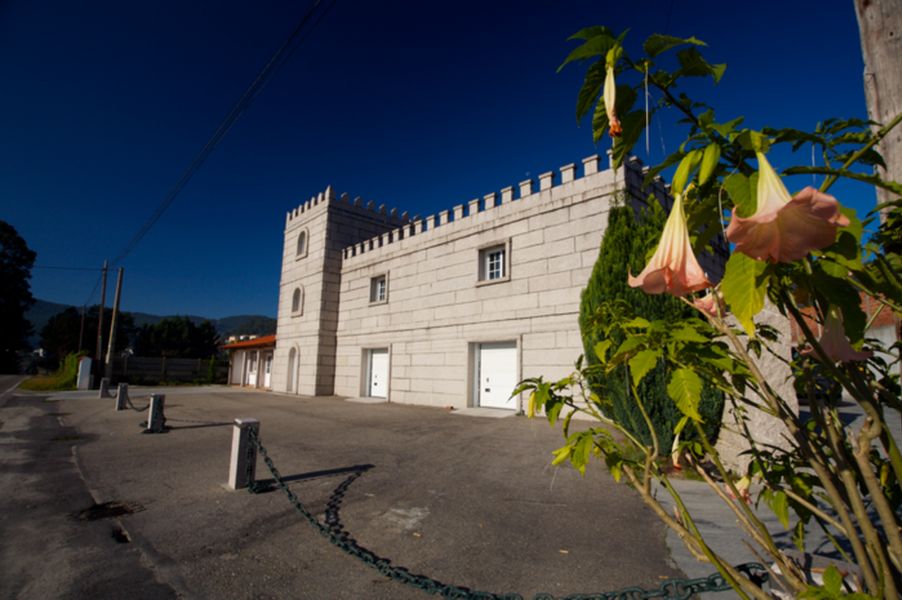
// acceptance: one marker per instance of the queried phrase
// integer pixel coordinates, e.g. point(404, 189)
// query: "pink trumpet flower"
point(784, 228)
point(835, 344)
point(673, 268)
point(610, 99)
point(712, 303)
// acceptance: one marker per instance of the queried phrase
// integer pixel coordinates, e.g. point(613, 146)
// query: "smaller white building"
point(250, 362)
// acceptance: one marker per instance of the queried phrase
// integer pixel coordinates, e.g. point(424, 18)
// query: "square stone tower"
point(315, 234)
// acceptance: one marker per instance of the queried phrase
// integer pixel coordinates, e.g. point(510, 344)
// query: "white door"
point(497, 375)
point(267, 371)
point(252, 369)
point(379, 373)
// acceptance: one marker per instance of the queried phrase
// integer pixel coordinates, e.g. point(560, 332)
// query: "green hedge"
point(628, 240)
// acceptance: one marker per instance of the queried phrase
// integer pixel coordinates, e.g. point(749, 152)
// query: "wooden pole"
point(880, 27)
point(81, 329)
point(111, 348)
point(98, 355)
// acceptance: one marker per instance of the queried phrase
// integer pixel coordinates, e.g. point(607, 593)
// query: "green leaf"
point(685, 170)
point(591, 32)
point(729, 128)
point(582, 452)
point(685, 389)
point(841, 293)
point(709, 162)
point(595, 46)
point(833, 580)
point(686, 333)
point(643, 362)
point(855, 226)
point(717, 357)
point(591, 88)
point(798, 536)
point(561, 454)
point(658, 43)
point(744, 289)
point(742, 192)
point(637, 323)
point(753, 141)
point(629, 344)
point(626, 97)
point(658, 169)
point(600, 121)
point(601, 350)
point(694, 65)
point(779, 504)
point(553, 412)
point(633, 126)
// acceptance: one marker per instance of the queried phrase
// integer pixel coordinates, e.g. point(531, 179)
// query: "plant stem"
point(816, 511)
point(881, 133)
point(869, 431)
point(732, 576)
point(758, 529)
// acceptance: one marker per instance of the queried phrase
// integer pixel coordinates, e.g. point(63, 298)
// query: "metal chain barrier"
point(332, 530)
point(135, 408)
point(198, 421)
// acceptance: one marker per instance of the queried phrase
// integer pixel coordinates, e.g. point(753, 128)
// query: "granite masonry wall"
point(438, 310)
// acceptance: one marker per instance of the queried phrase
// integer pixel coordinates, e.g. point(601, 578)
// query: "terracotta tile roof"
point(259, 342)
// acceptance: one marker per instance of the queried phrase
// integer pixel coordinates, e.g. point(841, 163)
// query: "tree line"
point(172, 337)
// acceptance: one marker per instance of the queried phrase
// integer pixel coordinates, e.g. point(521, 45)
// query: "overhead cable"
point(275, 62)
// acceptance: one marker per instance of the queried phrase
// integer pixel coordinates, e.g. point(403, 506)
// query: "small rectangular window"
point(378, 289)
point(493, 264)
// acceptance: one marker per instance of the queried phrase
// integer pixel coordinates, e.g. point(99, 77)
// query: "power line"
point(275, 62)
point(96, 285)
point(66, 268)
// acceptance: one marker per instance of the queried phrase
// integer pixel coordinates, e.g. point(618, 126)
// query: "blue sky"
point(418, 105)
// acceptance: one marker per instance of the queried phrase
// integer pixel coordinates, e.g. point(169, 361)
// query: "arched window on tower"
point(297, 301)
point(302, 244)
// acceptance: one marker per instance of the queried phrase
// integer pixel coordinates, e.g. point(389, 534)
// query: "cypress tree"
point(629, 239)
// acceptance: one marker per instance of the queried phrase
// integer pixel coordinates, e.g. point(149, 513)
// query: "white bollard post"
point(105, 388)
point(84, 373)
point(243, 466)
point(122, 397)
point(156, 421)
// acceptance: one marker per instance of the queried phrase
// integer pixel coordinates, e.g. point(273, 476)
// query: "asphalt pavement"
point(92, 508)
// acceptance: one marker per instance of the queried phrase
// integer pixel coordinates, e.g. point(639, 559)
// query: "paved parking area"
point(468, 500)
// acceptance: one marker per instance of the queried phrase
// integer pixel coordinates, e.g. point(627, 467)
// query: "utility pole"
point(108, 371)
point(98, 355)
point(880, 25)
point(81, 330)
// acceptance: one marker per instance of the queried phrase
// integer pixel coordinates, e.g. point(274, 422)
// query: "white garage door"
point(497, 375)
point(379, 373)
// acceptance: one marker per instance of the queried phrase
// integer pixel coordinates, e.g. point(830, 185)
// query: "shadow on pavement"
point(263, 486)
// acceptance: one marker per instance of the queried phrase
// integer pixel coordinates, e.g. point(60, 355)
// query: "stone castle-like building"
point(448, 310)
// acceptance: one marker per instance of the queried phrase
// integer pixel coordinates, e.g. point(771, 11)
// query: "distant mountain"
point(43, 310)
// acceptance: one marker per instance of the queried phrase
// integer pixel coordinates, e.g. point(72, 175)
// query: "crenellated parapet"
point(547, 186)
point(344, 202)
point(635, 174)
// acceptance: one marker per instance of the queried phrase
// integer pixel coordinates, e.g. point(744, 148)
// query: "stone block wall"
point(437, 309)
point(328, 224)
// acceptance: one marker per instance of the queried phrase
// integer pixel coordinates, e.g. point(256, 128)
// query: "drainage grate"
point(107, 510)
